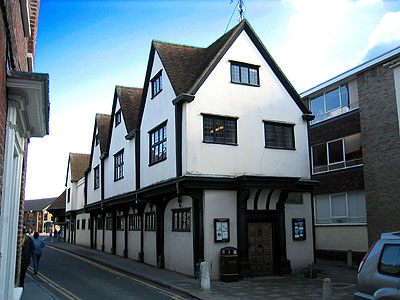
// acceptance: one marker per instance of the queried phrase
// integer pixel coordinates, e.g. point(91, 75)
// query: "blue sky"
point(88, 47)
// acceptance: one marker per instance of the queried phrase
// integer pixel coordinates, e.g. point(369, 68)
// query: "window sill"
point(180, 230)
point(248, 84)
point(117, 179)
point(229, 144)
point(279, 148)
point(156, 162)
point(153, 96)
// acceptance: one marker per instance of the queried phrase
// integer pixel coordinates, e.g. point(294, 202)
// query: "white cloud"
point(388, 30)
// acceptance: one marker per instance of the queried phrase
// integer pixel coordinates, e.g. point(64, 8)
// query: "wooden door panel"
point(260, 248)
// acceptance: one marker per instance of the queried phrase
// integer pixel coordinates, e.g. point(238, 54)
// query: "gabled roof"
point(188, 67)
point(38, 204)
point(79, 163)
point(59, 203)
point(101, 125)
point(129, 99)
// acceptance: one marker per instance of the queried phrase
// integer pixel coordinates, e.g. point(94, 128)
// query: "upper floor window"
point(68, 195)
point(96, 177)
point(96, 139)
point(219, 130)
point(337, 154)
point(244, 73)
point(117, 118)
point(119, 165)
point(158, 144)
point(343, 208)
point(279, 135)
point(330, 104)
point(156, 84)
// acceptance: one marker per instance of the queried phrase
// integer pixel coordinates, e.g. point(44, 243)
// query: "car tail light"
point(365, 257)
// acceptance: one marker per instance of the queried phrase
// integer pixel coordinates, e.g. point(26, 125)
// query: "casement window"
point(96, 139)
point(156, 84)
point(343, 208)
point(68, 195)
point(330, 104)
point(96, 177)
point(279, 135)
point(77, 224)
point(83, 224)
point(244, 73)
point(181, 219)
point(119, 165)
point(150, 221)
point(109, 225)
point(100, 223)
point(389, 261)
point(135, 222)
point(158, 144)
point(219, 130)
point(120, 223)
point(337, 154)
point(117, 118)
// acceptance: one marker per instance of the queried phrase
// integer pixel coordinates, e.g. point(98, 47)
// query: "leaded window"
point(158, 144)
point(219, 130)
point(119, 165)
point(279, 135)
point(96, 177)
point(244, 73)
point(156, 84)
point(181, 219)
point(135, 222)
point(150, 221)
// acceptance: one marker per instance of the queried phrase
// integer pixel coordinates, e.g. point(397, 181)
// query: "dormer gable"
point(77, 164)
point(100, 136)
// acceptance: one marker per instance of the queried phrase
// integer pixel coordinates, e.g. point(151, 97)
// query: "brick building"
point(37, 217)
point(355, 146)
point(24, 111)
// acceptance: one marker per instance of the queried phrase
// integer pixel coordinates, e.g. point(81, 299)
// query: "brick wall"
point(381, 150)
point(3, 101)
point(346, 180)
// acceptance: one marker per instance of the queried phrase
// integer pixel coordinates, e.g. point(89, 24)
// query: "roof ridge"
point(177, 44)
point(128, 87)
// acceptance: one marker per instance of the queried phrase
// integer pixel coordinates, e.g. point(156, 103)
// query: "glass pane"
point(353, 148)
point(322, 209)
point(344, 93)
point(156, 137)
point(335, 151)
point(320, 160)
point(235, 73)
point(338, 206)
point(244, 74)
point(253, 76)
point(332, 100)
point(269, 135)
point(390, 260)
point(357, 210)
point(160, 82)
point(317, 106)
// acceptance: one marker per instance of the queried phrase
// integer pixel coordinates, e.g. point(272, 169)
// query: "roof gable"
point(78, 163)
point(37, 204)
point(101, 125)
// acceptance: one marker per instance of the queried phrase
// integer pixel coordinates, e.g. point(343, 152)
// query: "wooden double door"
point(260, 248)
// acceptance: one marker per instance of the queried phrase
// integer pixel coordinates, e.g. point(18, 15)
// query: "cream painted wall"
point(342, 237)
point(68, 205)
point(156, 111)
point(396, 73)
point(117, 143)
point(108, 241)
point(120, 242)
point(94, 195)
point(80, 194)
point(133, 240)
point(99, 239)
point(178, 246)
point(251, 105)
point(149, 244)
point(218, 204)
point(83, 235)
point(300, 253)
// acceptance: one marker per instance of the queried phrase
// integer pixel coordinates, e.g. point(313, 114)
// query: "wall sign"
point(299, 229)
point(221, 230)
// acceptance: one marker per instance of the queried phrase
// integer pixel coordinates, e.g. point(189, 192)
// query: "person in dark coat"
point(37, 253)
point(27, 252)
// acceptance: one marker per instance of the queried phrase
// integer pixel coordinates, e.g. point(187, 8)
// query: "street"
point(70, 277)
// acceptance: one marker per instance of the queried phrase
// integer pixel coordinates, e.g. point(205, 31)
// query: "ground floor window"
point(181, 219)
point(135, 222)
point(120, 223)
point(100, 223)
point(83, 224)
point(150, 221)
point(341, 208)
point(109, 223)
point(77, 224)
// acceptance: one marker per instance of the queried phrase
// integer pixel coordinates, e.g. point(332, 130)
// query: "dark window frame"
point(153, 145)
point(118, 117)
point(120, 226)
point(287, 145)
point(156, 84)
point(77, 224)
point(68, 195)
point(96, 177)
point(242, 67)
point(208, 131)
point(181, 219)
point(134, 222)
point(119, 165)
point(109, 224)
point(83, 224)
point(150, 223)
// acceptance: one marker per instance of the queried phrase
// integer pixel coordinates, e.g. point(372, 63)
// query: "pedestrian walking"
point(37, 253)
point(27, 252)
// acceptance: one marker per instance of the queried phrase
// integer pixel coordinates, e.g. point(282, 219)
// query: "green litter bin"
point(229, 264)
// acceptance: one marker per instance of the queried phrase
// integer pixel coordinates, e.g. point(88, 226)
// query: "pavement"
point(289, 287)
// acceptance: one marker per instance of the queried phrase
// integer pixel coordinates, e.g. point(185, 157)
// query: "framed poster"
point(221, 230)
point(299, 229)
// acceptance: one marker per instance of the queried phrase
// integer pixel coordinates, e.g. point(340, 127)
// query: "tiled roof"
point(59, 203)
point(38, 204)
point(103, 123)
point(129, 99)
point(79, 163)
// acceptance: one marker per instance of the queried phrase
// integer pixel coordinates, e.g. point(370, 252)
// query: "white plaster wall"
point(99, 239)
point(396, 73)
point(117, 143)
point(80, 193)
point(68, 185)
point(149, 244)
point(120, 242)
point(178, 246)
point(133, 241)
point(156, 111)
point(218, 204)
point(94, 195)
point(83, 235)
point(74, 195)
point(342, 237)
point(300, 253)
point(251, 105)
point(107, 237)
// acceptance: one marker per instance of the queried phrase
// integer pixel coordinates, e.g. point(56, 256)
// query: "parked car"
point(379, 271)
